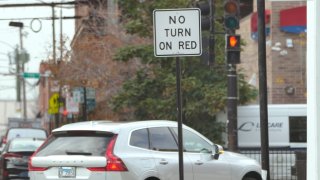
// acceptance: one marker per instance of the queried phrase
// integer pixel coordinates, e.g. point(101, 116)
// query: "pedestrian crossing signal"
point(233, 49)
point(233, 42)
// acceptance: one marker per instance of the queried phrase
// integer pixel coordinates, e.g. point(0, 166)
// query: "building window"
point(298, 129)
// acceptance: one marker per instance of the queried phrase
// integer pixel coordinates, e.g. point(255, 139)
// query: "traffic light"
point(231, 14)
point(206, 13)
point(233, 49)
point(207, 24)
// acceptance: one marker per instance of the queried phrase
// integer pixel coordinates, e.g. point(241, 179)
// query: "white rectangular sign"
point(177, 32)
point(71, 105)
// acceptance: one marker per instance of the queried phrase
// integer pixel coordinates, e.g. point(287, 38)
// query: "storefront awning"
point(254, 24)
point(294, 20)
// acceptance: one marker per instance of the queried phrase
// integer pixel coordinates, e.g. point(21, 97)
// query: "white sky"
point(37, 44)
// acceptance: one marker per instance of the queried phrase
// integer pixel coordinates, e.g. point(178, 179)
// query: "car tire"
point(251, 178)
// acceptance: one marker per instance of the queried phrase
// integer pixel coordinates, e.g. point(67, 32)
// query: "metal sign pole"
point(179, 108)
point(167, 44)
point(263, 88)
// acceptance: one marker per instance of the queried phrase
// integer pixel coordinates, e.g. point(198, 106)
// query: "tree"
point(89, 63)
point(151, 93)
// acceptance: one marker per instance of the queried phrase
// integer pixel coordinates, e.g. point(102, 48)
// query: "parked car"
point(1, 140)
point(23, 132)
point(14, 157)
point(143, 150)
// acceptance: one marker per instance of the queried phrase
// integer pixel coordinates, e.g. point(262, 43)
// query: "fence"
point(285, 163)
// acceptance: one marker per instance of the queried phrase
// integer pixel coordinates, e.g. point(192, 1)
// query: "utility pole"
point(21, 60)
point(263, 95)
point(18, 78)
point(53, 35)
point(61, 37)
point(23, 80)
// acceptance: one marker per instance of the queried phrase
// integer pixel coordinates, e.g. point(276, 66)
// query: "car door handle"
point(163, 162)
point(198, 162)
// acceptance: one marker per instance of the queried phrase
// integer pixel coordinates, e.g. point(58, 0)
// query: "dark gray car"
point(14, 157)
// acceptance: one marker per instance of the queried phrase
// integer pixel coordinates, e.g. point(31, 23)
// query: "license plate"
point(24, 174)
point(67, 172)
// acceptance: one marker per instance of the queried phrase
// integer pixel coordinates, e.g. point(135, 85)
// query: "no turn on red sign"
point(177, 32)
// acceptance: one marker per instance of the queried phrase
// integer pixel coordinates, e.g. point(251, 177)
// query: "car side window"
point(193, 143)
point(161, 139)
point(139, 138)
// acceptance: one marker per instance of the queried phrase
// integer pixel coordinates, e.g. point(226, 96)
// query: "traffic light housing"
point(233, 49)
point(206, 14)
point(231, 14)
point(207, 8)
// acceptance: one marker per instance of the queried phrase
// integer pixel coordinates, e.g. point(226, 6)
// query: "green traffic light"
point(231, 22)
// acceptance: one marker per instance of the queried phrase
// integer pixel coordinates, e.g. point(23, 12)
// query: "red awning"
point(254, 24)
point(254, 20)
point(294, 20)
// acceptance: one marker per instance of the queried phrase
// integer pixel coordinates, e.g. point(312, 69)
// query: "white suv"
point(142, 150)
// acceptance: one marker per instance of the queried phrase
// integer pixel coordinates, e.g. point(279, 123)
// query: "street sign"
point(71, 105)
point(78, 95)
point(54, 86)
point(177, 32)
point(31, 75)
point(54, 104)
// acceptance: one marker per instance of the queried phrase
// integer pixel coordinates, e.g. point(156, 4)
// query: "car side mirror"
point(218, 150)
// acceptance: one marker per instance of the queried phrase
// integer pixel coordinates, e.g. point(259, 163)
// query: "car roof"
point(12, 128)
point(27, 139)
point(112, 126)
point(22, 128)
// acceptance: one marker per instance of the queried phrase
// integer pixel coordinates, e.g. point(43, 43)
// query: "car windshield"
point(24, 145)
point(76, 143)
point(26, 132)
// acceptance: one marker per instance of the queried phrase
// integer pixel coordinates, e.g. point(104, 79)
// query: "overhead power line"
point(42, 4)
point(43, 18)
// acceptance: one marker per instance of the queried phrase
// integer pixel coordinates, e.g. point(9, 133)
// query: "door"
point(200, 152)
point(165, 152)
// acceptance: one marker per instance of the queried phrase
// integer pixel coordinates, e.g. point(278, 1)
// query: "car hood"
point(235, 155)
point(237, 158)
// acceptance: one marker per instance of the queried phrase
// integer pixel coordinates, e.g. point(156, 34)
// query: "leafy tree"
point(151, 94)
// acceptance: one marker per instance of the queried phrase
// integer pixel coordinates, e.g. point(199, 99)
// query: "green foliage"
point(137, 14)
point(151, 94)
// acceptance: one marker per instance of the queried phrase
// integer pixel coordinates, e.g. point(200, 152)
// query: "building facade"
point(285, 49)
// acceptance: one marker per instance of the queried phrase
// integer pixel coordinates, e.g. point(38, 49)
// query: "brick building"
point(98, 35)
point(286, 54)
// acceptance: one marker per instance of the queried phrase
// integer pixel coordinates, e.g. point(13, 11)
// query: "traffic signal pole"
point(232, 112)
point(231, 23)
point(233, 58)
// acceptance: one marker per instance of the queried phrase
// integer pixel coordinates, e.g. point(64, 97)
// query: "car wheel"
point(152, 178)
